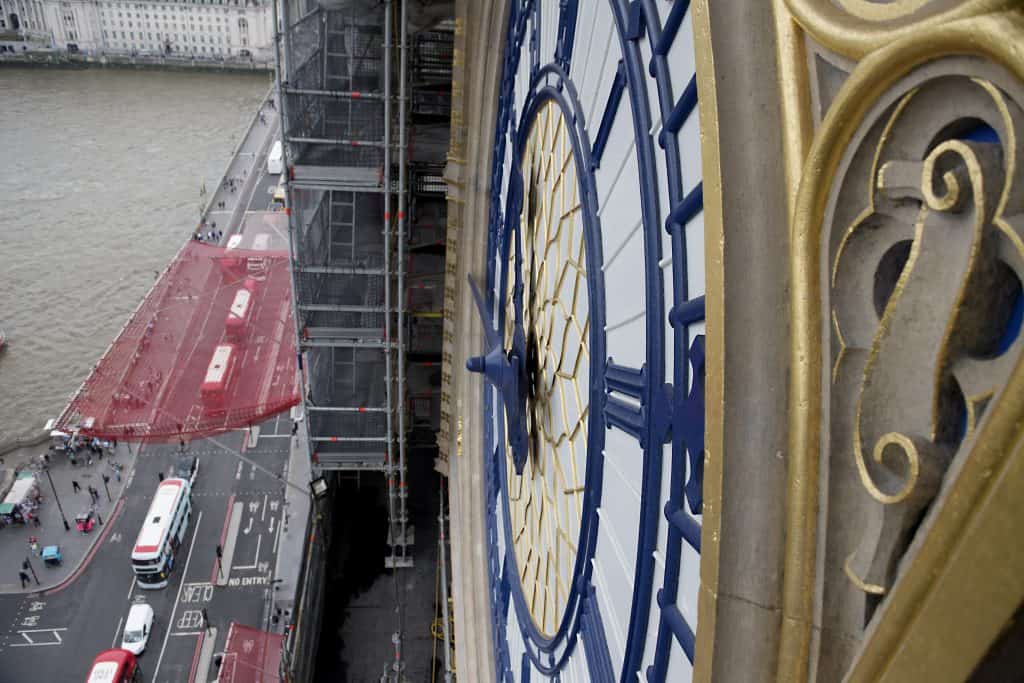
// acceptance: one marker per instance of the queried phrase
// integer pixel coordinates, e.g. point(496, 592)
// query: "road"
point(54, 636)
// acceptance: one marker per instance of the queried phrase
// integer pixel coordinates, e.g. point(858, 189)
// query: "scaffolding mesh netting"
point(211, 348)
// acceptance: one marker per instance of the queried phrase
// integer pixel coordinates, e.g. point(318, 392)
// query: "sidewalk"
point(228, 203)
point(75, 546)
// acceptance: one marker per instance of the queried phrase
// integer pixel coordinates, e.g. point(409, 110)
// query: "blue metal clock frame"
point(668, 415)
point(548, 654)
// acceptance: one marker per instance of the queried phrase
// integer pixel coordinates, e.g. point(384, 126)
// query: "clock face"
point(548, 251)
point(595, 283)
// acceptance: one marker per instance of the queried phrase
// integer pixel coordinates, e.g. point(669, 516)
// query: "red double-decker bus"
point(114, 666)
point(218, 377)
point(237, 323)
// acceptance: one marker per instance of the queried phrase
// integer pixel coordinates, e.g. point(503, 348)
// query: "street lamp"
point(28, 565)
point(67, 527)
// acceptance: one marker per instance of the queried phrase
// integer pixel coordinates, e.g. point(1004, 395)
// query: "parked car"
point(186, 467)
point(137, 628)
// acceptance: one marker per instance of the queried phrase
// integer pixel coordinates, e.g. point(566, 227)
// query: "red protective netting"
point(210, 348)
point(250, 656)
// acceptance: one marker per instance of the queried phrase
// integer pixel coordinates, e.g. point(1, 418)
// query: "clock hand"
point(504, 370)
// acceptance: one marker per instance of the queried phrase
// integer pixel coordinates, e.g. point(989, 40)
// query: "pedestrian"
point(75, 488)
point(24, 578)
point(35, 521)
point(295, 427)
point(88, 461)
point(161, 475)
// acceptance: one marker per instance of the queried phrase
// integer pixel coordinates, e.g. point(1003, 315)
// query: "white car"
point(137, 628)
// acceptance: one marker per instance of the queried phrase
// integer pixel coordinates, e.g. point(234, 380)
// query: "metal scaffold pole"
point(442, 543)
point(403, 162)
point(394, 672)
point(293, 228)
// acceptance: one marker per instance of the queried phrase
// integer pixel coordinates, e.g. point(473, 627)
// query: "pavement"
point(253, 187)
point(75, 546)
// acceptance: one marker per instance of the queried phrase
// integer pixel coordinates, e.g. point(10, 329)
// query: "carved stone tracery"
point(925, 299)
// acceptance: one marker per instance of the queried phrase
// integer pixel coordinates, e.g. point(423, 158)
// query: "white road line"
point(277, 538)
point(131, 588)
point(117, 630)
point(263, 513)
point(187, 633)
point(256, 562)
point(188, 559)
point(238, 472)
point(31, 643)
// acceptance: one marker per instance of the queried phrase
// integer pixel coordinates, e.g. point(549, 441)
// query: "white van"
point(275, 160)
point(137, 628)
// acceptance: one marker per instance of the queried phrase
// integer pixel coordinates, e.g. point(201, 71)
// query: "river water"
point(100, 172)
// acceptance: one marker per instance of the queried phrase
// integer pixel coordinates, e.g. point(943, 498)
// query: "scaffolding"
point(364, 126)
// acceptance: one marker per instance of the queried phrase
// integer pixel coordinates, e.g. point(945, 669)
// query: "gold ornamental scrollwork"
point(855, 27)
point(898, 372)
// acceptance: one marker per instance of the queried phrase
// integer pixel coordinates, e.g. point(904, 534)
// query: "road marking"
point(238, 472)
point(228, 547)
point(256, 562)
point(263, 512)
point(117, 630)
point(131, 588)
point(243, 581)
point(188, 559)
point(247, 529)
point(191, 618)
point(186, 633)
point(271, 524)
point(198, 592)
point(55, 632)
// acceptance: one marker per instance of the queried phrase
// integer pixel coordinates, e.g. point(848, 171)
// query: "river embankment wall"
point(63, 60)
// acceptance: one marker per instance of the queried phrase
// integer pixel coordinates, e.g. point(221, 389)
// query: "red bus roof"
point(162, 506)
point(111, 666)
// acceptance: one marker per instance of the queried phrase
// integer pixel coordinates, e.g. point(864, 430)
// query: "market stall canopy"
point(22, 489)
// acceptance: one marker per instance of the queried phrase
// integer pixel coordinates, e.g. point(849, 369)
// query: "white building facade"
point(205, 29)
point(22, 24)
